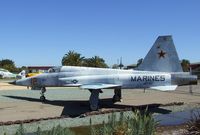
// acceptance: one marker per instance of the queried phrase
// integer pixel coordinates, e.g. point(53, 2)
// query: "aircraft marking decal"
point(162, 54)
point(148, 78)
point(74, 81)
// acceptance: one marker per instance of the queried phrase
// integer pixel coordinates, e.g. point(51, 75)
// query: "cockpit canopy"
point(54, 70)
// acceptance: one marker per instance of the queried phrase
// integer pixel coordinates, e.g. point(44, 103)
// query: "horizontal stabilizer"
point(164, 88)
point(99, 86)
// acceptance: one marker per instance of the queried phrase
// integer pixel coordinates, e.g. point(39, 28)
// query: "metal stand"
point(190, 89)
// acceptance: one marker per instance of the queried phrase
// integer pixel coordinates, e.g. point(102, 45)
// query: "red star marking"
point(161, 54)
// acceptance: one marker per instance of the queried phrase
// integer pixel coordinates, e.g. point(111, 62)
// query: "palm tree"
point(95, 61)
point(185, 65)
point(115, 66)
point(72, 59)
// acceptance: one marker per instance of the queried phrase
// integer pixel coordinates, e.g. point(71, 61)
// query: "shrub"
point(193, 126)
point(139, 124)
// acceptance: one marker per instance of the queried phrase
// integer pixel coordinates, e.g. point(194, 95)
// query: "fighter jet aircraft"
point(6, 74)
point(160, 70)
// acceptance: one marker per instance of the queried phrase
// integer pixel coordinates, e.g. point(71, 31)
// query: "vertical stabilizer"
point(162, 57)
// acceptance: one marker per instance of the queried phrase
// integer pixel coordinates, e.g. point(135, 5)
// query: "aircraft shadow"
point(75, 108)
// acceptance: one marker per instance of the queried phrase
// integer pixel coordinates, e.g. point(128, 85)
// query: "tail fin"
point(21, 75)
point(162, 57)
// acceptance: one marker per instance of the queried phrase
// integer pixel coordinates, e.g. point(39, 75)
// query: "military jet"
point(6, 74)
point(160, 70)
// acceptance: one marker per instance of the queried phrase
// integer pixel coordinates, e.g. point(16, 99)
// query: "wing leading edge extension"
point(99, 86)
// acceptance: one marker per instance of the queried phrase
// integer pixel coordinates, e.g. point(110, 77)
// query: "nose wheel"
point(42, 97)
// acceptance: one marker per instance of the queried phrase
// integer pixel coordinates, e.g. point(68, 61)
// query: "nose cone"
point(23, 82)
point(13, 83)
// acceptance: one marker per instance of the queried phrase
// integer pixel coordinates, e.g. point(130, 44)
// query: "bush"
point(139, 124)
point(58, 130)
point(20, 130)
point(193, 126)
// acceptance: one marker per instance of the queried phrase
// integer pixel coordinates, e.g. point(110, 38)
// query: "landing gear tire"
point(116, 98)
point(117, 95)
point(94, 107)
point(94, 99)
point(43, 98)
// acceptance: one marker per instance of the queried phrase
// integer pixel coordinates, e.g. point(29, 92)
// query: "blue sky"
point(40, 32)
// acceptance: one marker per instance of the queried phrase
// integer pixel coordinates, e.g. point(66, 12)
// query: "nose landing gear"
point(42, 97)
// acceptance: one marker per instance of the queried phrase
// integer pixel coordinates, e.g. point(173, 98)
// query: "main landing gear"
point(42, 97)
point(94, 99)
point(117, 95)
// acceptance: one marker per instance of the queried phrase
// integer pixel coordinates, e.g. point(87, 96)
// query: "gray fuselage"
point(69, 76)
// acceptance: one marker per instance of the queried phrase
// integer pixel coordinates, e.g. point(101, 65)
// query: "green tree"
point(95, 61)
point(19, 69)
point(185, 65)
point(72, 59)
point(115, 66)
point(8, 64)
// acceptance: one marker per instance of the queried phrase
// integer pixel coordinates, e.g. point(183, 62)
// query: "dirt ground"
point(18, 103)
point(7, 86)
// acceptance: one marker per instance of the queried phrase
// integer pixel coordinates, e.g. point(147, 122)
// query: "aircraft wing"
point(99, 86)
point(164, 88)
